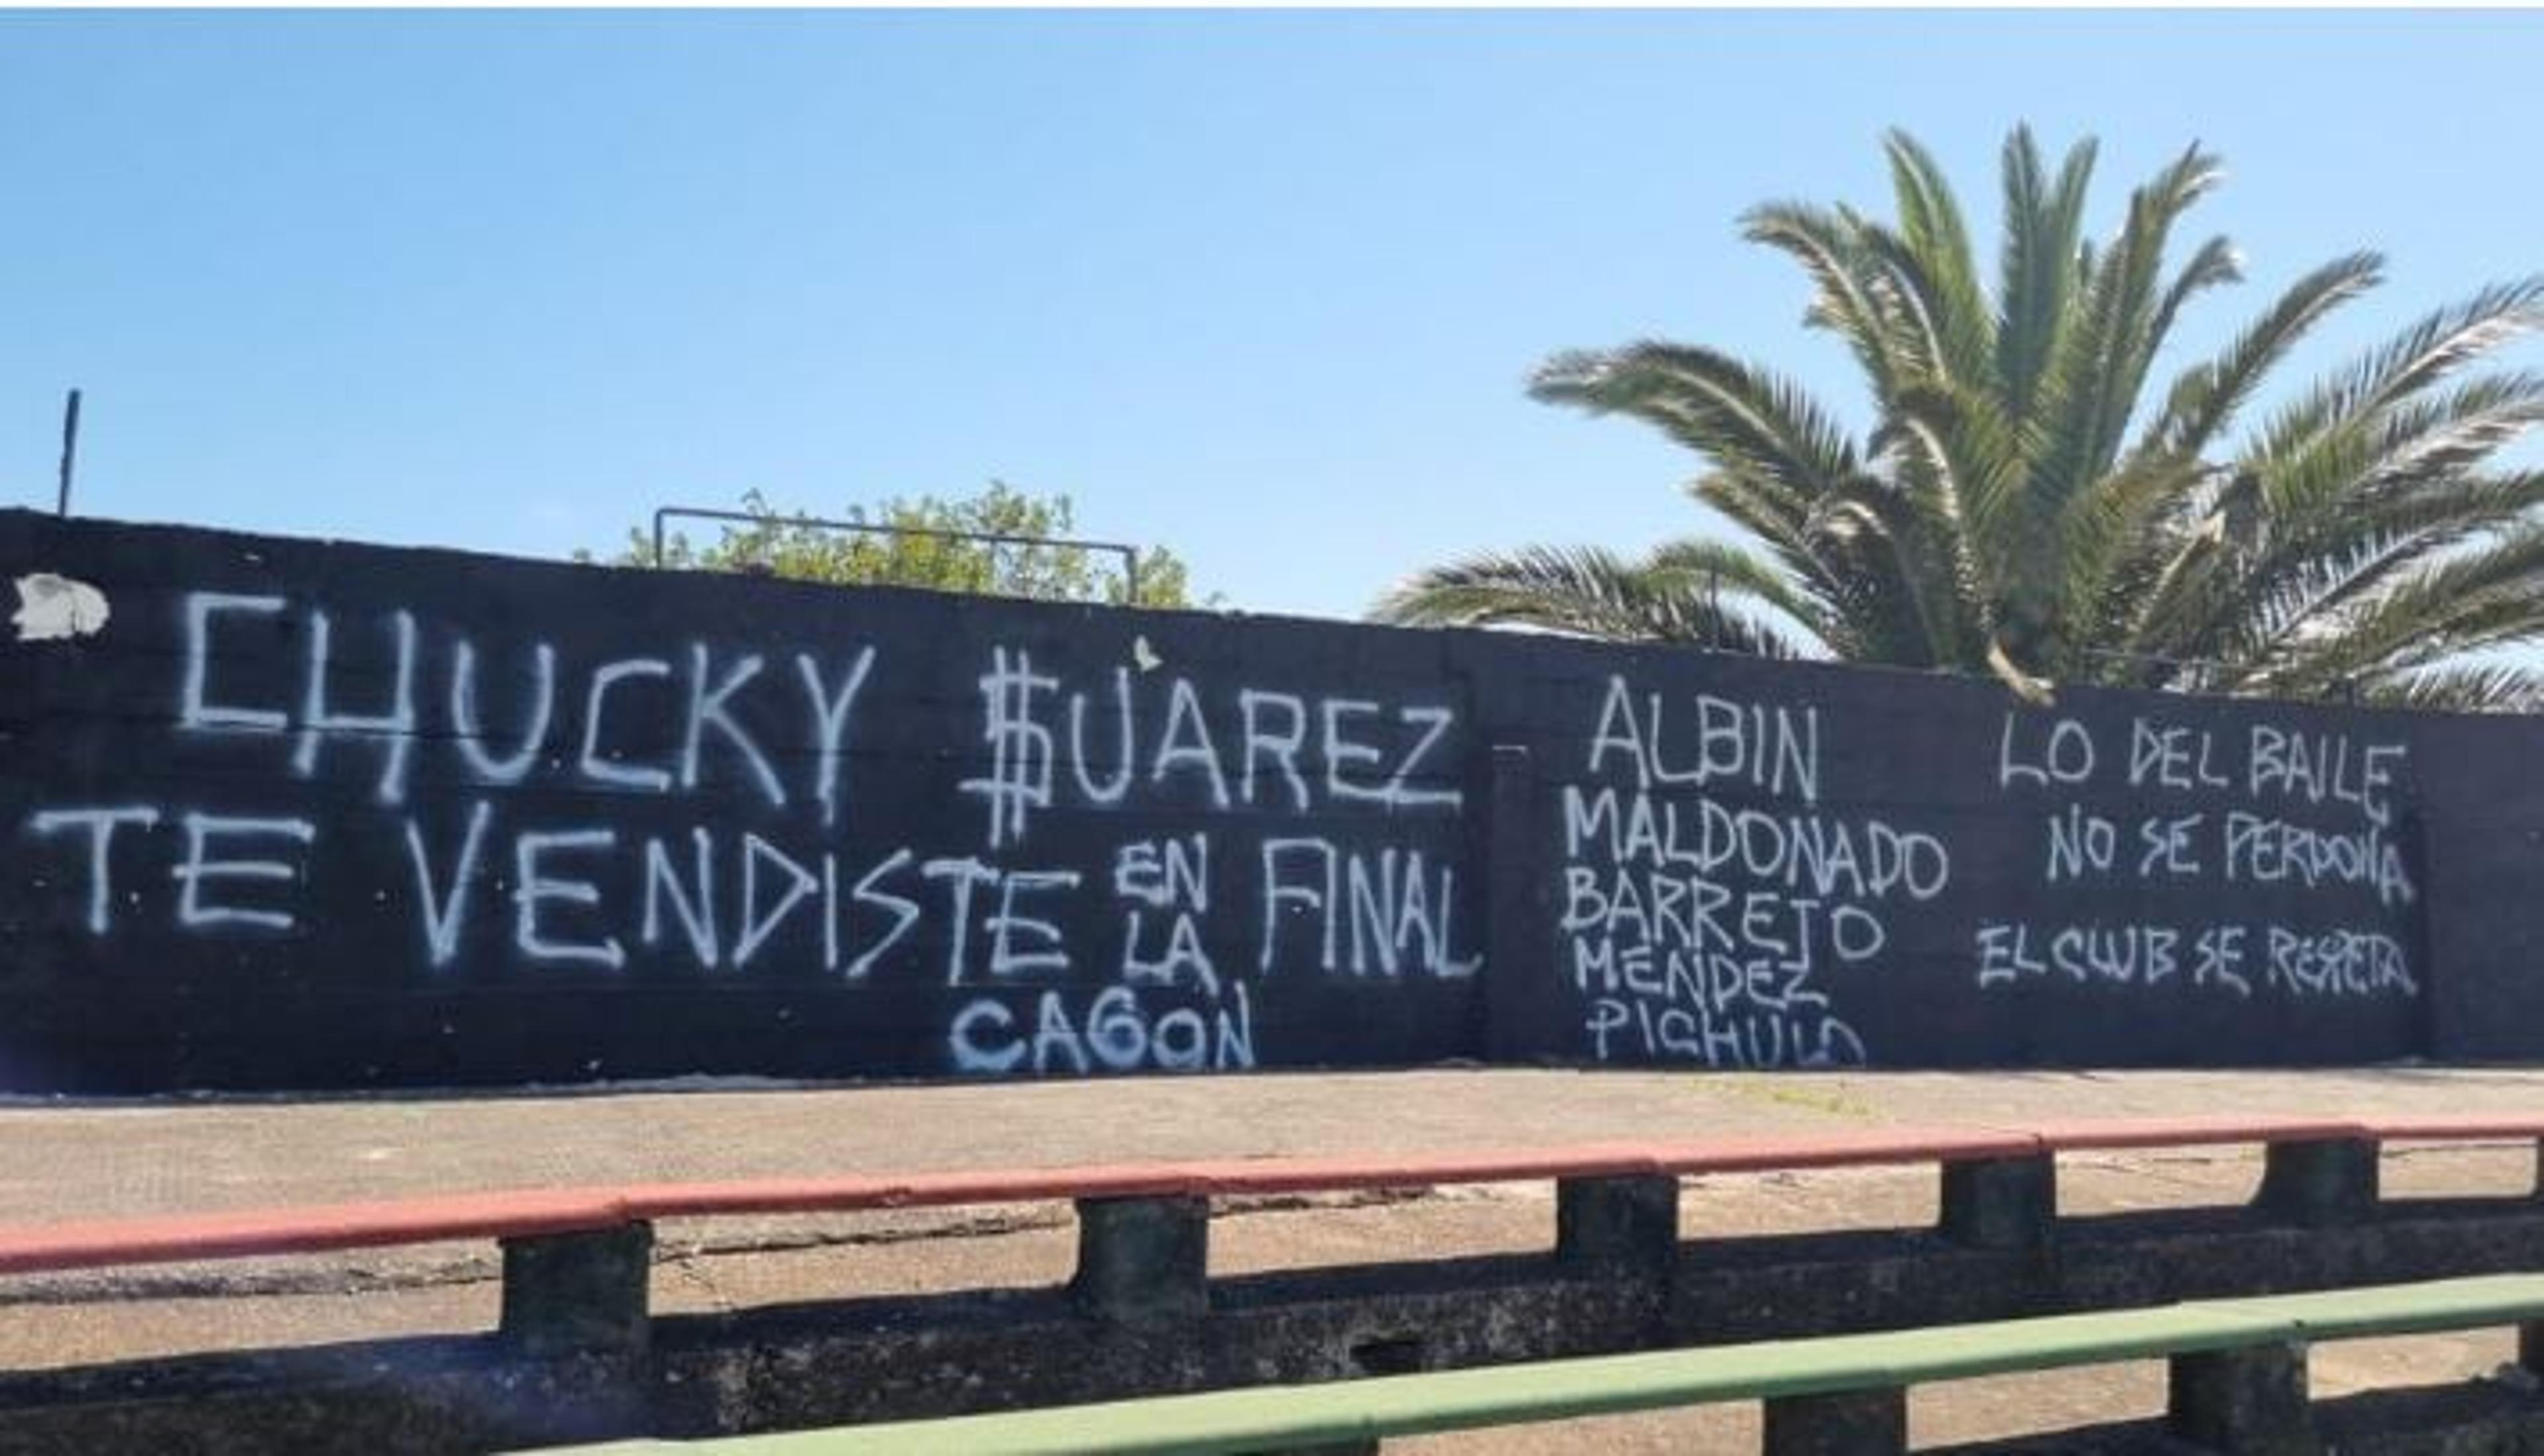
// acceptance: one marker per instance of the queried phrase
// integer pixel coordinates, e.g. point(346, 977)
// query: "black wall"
point(312, 815)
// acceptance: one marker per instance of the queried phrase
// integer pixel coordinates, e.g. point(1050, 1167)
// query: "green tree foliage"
point(2026, 504)
point(915, 553)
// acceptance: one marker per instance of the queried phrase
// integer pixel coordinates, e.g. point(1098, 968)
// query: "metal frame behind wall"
point(1130, 555)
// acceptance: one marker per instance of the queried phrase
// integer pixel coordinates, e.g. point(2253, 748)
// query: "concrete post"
point(2318, 1183)
point(1856, 1423)
point(577, 1293)
point(2250, 1402)
point(1627, 1224)
point(1143, 1259)
point(2001, 1203)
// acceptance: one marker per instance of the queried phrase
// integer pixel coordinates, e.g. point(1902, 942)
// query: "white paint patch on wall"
point(53, 607)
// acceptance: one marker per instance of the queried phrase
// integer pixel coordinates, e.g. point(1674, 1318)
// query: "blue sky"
point(1262, 287)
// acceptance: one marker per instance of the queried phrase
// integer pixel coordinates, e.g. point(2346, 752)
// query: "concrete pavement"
point(109, 1159)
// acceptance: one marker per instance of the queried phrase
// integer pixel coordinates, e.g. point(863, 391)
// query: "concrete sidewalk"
point(108, 1160)
point(66, 1161)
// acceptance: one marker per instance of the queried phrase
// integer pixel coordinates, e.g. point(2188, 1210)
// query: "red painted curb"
point(532, 1212)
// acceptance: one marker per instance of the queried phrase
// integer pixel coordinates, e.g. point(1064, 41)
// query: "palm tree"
point(2023, 506)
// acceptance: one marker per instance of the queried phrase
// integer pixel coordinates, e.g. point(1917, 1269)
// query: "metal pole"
point(70, 451)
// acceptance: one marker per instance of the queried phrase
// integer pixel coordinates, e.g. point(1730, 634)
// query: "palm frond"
point(2098, 376)
point(2042, 222)
point(2420, 356)
point(1965, 448)
point(2214, 265)
point(1595, 592)
point(2485, 688)
point(2484, 597)
point(1935, 252)
point(2205, 398)
point(1744, 418)
point(1829, 251)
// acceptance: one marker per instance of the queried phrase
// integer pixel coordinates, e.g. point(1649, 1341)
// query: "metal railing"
point(1130, 555)
point(2343, 690)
